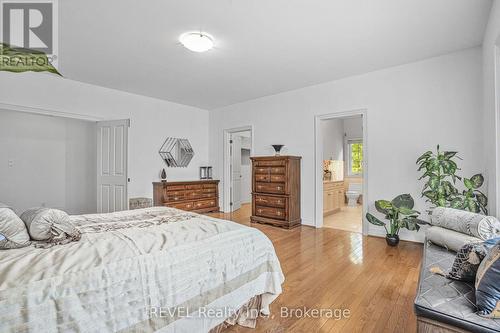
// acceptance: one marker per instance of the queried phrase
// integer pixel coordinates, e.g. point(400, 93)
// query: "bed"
point(146, 270)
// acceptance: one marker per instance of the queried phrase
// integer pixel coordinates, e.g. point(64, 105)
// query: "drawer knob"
point(211, 202)
point(199, 204)
point(176, 198)
point(279, 188)
point(279, 201)
point(278, 213)
point(259, 210)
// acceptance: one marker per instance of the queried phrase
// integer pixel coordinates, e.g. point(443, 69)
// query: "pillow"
point(13, 233)
point(472, 224)
point(468, 259)
point(49, 225)
point(488, 284)
point(449, 239)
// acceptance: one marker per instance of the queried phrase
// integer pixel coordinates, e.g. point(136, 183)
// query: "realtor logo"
point(30, 24)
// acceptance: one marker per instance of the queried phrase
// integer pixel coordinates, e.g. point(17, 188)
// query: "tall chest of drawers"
point(197, 196)
point(276, 190)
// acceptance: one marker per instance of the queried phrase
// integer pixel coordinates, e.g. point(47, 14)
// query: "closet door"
point(112, 146)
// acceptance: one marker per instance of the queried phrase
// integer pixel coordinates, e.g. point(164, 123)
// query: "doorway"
point(237, 168)
point(341, 171)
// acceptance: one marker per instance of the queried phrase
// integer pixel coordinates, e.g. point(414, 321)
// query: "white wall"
point(333, 139)
point(152, 120)
point(411, 108)
point(491, 124)
point(353, 127)
point(52, 162)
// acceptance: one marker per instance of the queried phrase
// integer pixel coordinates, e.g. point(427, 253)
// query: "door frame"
point(318, 164)
point(226, 178)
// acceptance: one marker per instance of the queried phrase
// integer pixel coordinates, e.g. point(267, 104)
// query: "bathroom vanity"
point(333, 196)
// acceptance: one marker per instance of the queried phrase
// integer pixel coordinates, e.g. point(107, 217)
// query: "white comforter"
point(153, 269)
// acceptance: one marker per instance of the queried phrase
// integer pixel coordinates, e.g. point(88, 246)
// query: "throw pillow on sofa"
point(449, 239)
point(488, 284)
point(13, 233)
point(473, 224)
point(469, 258)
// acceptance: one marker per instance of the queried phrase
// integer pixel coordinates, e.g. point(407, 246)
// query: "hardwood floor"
point(334, 269)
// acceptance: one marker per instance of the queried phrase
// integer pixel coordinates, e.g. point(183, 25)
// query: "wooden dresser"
point(201, 196)
point(276, 190)
point(333, 196)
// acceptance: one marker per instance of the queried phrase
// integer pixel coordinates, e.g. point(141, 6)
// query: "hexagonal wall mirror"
point(176, 152)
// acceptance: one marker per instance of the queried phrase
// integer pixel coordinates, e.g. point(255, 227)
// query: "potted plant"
point(400, 214)
point(440, 173)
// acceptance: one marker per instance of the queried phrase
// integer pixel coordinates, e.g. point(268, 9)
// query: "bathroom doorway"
point(237, 169)
point(340, 170)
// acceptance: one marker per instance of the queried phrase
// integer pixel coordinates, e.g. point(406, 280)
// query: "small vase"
point(163, 176)
point(277, 149)
point(392, 240)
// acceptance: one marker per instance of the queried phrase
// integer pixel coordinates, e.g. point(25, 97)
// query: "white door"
point(235, 149)
point(112, 142)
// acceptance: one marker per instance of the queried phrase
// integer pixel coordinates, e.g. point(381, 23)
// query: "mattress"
point(146, 270)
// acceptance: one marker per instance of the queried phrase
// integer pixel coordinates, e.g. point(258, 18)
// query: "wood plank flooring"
point(334, 269)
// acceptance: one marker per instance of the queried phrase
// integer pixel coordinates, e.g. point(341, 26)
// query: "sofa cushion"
point(468, 223)
point(469, 258)
point(445, 300)
point(488, 284)
point(449, 239)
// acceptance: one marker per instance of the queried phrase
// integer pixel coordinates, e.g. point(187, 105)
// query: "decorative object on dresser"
point(333, 196)
point(277, 149)
point(176, 152)
point(205, 172)
point(201, 196)
point(276, 190)
point(163, 175)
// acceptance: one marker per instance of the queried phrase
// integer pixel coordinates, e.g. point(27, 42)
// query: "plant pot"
point(392, 240)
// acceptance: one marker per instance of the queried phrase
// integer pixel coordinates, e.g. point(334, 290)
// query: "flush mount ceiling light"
point(197, 41)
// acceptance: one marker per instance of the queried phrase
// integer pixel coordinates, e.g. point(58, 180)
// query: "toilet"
point(353, 193)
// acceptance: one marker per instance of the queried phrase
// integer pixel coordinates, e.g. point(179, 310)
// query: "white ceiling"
point(262, 47)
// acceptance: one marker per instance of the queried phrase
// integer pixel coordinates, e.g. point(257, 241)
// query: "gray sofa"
point(445, 305)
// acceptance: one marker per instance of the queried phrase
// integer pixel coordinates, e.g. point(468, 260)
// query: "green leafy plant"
point(14, 59)
point(440, 174)
point(399, 212)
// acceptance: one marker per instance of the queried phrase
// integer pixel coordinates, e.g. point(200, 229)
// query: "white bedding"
point(131, 271)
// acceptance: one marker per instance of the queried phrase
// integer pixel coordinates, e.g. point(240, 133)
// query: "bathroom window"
point(355, 148)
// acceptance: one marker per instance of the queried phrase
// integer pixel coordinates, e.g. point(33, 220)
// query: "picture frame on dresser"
point(200, 196)
point(276, 190)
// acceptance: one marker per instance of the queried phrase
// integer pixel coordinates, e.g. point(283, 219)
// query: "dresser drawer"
point(265, 177)
point(277, 178)
point(171, 188)
point(204, 204)
point(261, 170)
point(193, 187)
point(194, 194)
point(183, 206)
point(271, 163)
point(275, 213)
point(209, 190)
point(212, 186)
point(277, 170)
point(209, 195)
point(263, 200)
point(175, 197)
point(278, 188)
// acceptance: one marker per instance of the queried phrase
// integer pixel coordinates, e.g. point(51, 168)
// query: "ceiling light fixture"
point(197, 41)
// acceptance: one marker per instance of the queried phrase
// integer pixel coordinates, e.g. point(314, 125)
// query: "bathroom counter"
point(332, 181)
